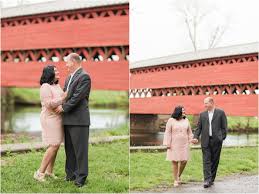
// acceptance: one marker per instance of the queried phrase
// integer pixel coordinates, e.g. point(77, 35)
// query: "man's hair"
point(210, 99)
point(74, 57)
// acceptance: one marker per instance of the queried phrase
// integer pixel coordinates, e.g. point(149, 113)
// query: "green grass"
point(121, 130)
point(107, 98)
point(98, 98)
point(149, 169)
point(108, 171)
point(236, 123)
point(26, 95)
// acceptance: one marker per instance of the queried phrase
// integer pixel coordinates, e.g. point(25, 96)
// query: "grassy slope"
point(108, 171)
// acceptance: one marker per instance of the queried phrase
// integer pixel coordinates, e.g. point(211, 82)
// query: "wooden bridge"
point(229, 74)
point(39, 34)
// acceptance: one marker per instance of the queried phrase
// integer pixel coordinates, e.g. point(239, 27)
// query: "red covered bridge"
point(39, 34)
point(229, 74)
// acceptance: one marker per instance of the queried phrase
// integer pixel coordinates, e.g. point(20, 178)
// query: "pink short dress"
point(51, 122)
point(178, 136)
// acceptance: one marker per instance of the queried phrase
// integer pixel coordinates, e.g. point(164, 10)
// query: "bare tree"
point(216, 36)
point(194, 13)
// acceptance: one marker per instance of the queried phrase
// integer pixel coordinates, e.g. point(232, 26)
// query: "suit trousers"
point(76, 148)
point(211, 156)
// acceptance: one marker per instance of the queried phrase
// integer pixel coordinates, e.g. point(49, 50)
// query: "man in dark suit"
point(212, 126)
point(76, 120)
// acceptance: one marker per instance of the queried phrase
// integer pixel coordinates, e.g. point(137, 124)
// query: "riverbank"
point(98, 98)
point(235, 123)
point(26, 137)
point(150, 170)
point(35, 146)
point(108, 171)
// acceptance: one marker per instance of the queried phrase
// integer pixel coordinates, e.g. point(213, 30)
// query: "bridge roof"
point(202, 54)
point(56, 6)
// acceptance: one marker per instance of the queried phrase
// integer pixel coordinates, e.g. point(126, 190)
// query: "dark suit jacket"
point(219, 127)
point(75, 108)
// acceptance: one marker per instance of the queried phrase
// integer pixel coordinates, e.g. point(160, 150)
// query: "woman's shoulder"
point(186, 120)
point(59, 87)
point(171, 119)
point(45, 86)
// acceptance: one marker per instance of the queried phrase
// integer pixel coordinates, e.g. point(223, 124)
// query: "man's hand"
point(194, 141)
point(59, 109)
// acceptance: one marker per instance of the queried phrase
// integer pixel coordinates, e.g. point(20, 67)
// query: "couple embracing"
point(212, 127)
point(65, 116)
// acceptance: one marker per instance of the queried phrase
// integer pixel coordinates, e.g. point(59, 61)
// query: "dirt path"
point(239, 183)
point(232, 184)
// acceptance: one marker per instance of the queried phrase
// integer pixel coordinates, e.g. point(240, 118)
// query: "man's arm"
point(224, 125)
point(81, 91)
point(198, 130)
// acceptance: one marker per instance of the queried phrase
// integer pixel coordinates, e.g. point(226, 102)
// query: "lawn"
point(149, 169)
point(108, 171)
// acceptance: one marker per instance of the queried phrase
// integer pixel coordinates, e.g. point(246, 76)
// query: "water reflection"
point(27, 119)
point(233, 139)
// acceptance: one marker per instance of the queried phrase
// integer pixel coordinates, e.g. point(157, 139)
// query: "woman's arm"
point(46, 97)
point(168, 134)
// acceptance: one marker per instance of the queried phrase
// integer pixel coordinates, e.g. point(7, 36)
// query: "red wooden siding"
point(108, 31)
point(234, 105)
point(105, 75)
point(245, 72)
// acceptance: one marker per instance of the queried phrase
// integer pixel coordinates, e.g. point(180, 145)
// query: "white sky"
point(11, 3)
point(157, 29)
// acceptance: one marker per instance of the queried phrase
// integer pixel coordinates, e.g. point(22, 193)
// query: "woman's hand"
point(59, 109)
point(194, 141)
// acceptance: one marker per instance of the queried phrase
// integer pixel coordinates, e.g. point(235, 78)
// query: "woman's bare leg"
point(175, 170)
point(182, 166)
point(50, 152)
point(51, 163)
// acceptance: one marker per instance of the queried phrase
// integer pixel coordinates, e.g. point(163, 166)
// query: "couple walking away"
point(212, 126)
point(65, 116)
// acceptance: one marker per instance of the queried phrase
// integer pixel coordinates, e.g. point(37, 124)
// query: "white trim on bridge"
point(56, 6)
point(202, 54)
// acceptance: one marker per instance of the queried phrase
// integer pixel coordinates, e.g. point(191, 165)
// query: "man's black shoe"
point(70, 178)
point(207, 184)
point(78, 184)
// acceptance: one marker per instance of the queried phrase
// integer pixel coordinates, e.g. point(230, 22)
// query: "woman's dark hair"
point(48, 75)
point(178, 113)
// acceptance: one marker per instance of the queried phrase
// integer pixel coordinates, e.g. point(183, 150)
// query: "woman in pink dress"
point(51, 96)
point(178, 136)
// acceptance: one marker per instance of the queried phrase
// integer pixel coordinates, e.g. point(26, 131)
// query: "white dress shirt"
point(210, 120)
point(72, 77)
